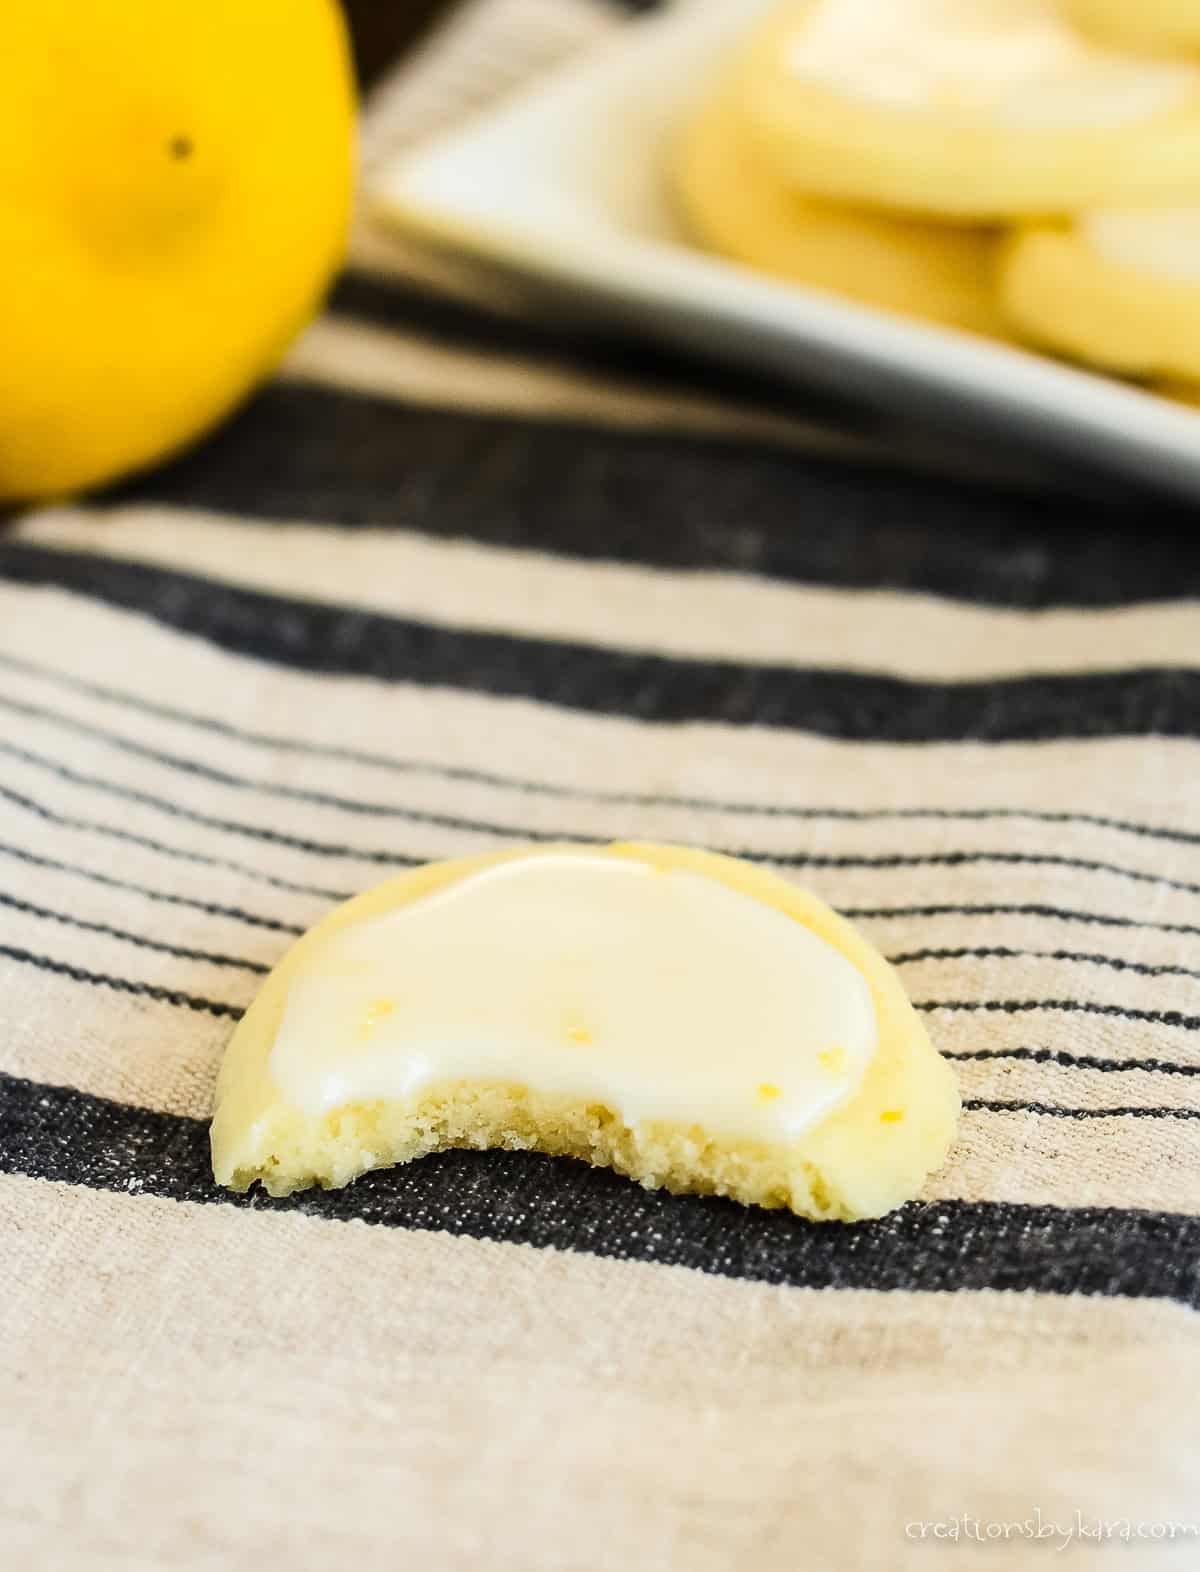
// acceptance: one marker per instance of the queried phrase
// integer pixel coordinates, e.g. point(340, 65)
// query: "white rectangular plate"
point(564, 185)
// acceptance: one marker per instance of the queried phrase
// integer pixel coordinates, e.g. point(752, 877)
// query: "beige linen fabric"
point(296, 1390)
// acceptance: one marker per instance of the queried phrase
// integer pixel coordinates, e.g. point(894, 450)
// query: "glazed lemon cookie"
point(967, 109)
point(734, 204)
point(1141, 24)
point(1119, 289)
point(690, 1020)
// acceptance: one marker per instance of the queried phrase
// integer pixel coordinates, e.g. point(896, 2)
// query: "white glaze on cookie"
point(663, 995)
point(1015, 62)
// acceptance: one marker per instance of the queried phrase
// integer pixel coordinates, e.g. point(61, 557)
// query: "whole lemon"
point(175, 186)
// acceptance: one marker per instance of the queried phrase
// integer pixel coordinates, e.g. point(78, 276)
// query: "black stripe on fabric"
point(1052, 1111)
point(1037, 1055)
point(310, 636)
point(209, 821)
point(193, 1002)
point(963, 859)
point(1071, 1061)
point(453, 822)
point(139, 940)
point(66, 1136)
point(302, 452)
point(852, 912)
point(237, 782)
point(406, 308)
point(1076, 957)
point(143, 990)
point(389, 857)
point(1053, 913)
point(244, 963)
point(210, 908)
point(1184, 1023)
point(129, 837)
point(399, 306)
point(478, 777)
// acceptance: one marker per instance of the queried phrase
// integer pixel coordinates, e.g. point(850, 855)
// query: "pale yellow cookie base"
point(945, 164)
point(1160, 26)
point(866, 1159)
point(1064, 296)
point(733, 204)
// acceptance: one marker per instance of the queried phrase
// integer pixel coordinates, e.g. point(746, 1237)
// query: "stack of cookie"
point(1018, 168)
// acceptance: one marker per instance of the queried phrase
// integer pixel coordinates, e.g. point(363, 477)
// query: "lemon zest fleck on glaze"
point(376, 1011)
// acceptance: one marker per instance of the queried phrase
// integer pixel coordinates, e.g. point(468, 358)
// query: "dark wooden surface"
point(383, 29)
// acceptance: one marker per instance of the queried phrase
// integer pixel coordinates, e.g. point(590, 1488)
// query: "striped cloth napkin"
point(457, 579)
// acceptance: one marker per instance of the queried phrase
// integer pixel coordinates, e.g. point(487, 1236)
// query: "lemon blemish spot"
point(891, 1116)
point(832, 1059)
point(577, 1033)
point(767, 1093)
